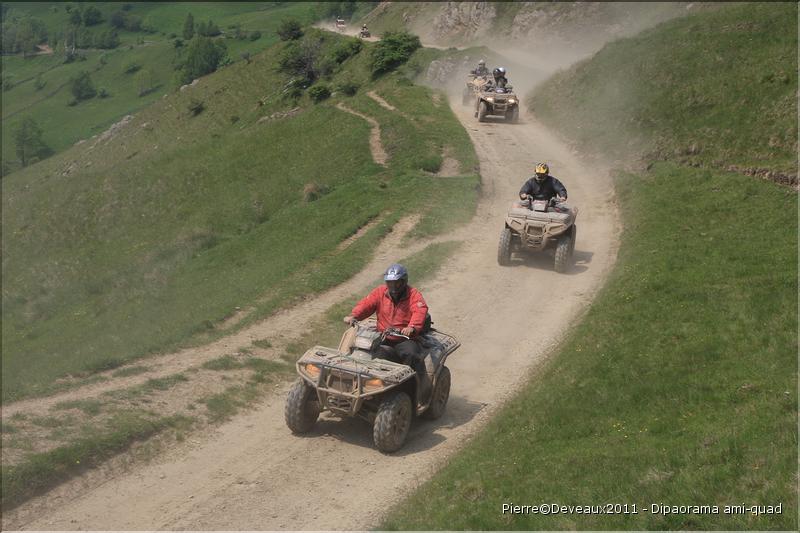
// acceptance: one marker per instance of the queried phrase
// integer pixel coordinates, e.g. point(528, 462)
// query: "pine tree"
point(188, 27)
point(28, 138)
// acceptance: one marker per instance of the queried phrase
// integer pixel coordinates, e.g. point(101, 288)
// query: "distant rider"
point(364, 30)
point(543, 186)
point(402, 307)
point(481, 70)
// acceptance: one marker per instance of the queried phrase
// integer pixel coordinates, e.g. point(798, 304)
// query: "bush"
point(92, 16)
point(39, 83)
point(203, 56)
point(208, 29)
point(256, 35)
point(393, 50)
point(196, 107)
point(348, 87)
point(319, 92)
point(346, 49)
point(314, 191)
point(103, 92)
point(300, 58)
point(431, 163)
point(117, 19)
point(289, 30)
point(81, 87)
point(131, 67)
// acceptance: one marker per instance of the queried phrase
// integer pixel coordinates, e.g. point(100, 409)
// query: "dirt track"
point(253, 474)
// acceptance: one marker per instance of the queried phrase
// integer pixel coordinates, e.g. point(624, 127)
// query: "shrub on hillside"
point(300, 58)
point(203, 56)
point(319, 92)
point(346, 49)
point(92, 16)
point(393, 50)
point(208, 29)
point(81, 86)
point(314, 191)
point(348, 87)
point(131, 67)
point(196, 107)
point(256, 35)
point(289, 30)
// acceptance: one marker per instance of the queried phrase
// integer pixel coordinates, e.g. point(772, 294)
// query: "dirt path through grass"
point(375, 145)
point(252, 473)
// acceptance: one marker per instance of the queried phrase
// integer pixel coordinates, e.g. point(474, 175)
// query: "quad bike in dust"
point(341, 25)
point(364, 34)
point(472, 89)
point(497, 101)
point(355, 381)
point(536, 226)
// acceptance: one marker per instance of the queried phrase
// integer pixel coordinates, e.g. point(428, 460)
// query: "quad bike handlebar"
point(388, 332)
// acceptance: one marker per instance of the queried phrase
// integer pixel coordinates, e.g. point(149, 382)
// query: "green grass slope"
point(153, 50)
point(715, 89)
point(151, 238)
point(679, 386)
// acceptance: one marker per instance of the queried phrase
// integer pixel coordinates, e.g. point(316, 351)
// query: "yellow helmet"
point(542, 168)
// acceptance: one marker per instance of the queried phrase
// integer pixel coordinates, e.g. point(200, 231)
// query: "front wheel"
point(302, 407)
point(441, 393)
point(483, 109)
point(513, 115)
point(504, 248)
point(563, 254)
point(392, 422)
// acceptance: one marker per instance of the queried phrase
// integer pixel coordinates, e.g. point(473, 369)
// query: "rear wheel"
point(441, 393)
point(563, 254)
point(392, 422)
point(483, 109)
point(302, 407)
point(504, 248)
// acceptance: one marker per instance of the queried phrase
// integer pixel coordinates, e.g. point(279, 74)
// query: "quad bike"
point(537, 225)
point(498, 101)
point(354, 380)
point(364, 34)
point(340, 25)
point(472, 88)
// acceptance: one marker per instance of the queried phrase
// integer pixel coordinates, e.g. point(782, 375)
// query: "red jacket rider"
point(403, 310)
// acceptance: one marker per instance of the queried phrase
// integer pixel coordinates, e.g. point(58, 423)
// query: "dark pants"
point(408, 352)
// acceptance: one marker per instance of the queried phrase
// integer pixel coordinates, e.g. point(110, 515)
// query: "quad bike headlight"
point(512, 101)
point(490, 98)
point(312, 370)
point(373, 384)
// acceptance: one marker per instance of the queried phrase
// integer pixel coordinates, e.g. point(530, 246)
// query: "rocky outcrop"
point(463, 20)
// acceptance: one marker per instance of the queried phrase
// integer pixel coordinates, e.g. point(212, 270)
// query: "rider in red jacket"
point(402, 307)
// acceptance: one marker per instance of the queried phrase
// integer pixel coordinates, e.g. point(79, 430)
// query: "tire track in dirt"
point(252, 473)
point(379, 155)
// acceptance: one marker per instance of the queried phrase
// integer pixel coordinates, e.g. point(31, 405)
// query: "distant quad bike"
point(340, 25)
point(536, 226)
point(364, 34)
point(353, 380)
point(472, 89)
point(498, 101)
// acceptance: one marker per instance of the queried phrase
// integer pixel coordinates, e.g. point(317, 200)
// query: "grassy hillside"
point(152, 49)
point(679, 387)
point(133, 244)
point(714, 89)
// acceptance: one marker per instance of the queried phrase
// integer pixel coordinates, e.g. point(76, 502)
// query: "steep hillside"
point(715, 89)
point(128, 77)
point(223, 195)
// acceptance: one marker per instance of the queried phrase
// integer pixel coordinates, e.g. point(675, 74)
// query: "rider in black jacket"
point(543, 186)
